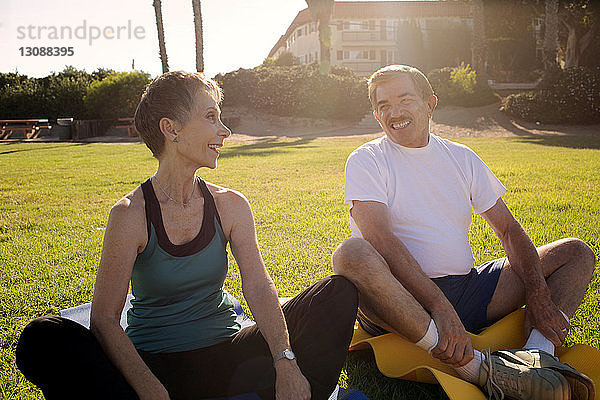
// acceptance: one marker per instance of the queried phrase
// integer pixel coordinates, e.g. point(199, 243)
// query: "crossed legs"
point(567, 265)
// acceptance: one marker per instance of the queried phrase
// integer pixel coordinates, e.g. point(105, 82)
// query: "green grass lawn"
point(55, 199)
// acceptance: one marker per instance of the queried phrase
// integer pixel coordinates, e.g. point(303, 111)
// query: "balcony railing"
point(364, 68)
point(367, 36)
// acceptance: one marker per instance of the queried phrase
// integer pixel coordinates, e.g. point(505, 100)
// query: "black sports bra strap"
point(208, 197)
point(154, 218)
point(147, 191)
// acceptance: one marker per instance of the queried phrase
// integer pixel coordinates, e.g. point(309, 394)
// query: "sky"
point(116, 33)
point(121, 34)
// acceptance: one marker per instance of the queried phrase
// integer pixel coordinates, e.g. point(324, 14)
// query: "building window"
point(310, 58)
point(364, 25)
point(313, 27)
point(340, 55)
point(299, 32)
point(346, 55)
point(371, 24)
point(371, 54)
point(346, 26)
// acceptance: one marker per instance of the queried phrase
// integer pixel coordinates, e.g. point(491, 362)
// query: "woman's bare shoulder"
point(128, 214)
point(225, 196)
point(232, 206)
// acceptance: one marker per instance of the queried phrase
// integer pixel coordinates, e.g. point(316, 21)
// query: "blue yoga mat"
point(81, 315)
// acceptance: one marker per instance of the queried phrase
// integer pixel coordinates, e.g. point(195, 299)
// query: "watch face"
point(289, 354)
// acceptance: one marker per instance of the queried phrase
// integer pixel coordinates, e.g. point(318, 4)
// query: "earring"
point(175, 139)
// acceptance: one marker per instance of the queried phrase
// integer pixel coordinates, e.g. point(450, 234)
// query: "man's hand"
point(290, 384)
point(541, 313)
point(454, 344)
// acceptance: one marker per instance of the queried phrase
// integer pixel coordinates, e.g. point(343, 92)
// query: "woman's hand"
point(290, 384)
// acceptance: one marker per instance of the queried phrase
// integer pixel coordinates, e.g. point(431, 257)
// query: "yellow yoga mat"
point(399, 358)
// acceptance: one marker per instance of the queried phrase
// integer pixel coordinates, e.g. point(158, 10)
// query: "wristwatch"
point(287, 353)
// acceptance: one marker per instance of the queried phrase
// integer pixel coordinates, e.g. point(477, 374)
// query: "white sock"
point(430, 340)
point(539, 342)
point(469, 372)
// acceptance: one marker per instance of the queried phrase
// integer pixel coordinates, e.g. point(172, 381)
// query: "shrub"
point(56, 95)
point(116, 96)
point(570, 96)
point(285, 59)
point(464, 78)
point(460, 86)
point(298, 90)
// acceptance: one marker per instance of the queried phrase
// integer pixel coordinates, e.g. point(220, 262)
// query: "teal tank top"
point(180, 303)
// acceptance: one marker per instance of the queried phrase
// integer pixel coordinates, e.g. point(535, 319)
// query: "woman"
point(168, 237)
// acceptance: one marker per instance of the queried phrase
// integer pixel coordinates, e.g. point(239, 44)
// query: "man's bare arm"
point(373, 220)
point(542, 312)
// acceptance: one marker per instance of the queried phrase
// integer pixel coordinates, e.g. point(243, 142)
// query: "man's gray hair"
point(390, 72)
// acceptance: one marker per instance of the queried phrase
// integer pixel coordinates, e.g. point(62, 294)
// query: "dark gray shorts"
point(469, 294)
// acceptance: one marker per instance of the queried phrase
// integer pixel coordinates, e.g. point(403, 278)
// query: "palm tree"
point(199, 40)
point(479, 39)
point(551, 35)
point(321, 10)
point(161, 36)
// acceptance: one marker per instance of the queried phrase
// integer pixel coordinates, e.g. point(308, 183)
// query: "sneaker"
point(582, 387)
point(501, 376)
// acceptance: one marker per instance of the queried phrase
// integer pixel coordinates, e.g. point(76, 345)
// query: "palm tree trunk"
point(479, 39)
point(551, 35)
point(199, 39)
point(321, 11)
point(161, 36)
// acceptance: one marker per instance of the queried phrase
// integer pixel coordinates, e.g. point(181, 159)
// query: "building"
point(366, 35)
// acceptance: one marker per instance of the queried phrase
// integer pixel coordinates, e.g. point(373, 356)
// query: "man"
point(410, 195)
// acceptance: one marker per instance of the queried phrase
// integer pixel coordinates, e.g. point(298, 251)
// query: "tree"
point(582, 20)
point(410, 44)
point(161, 36)
point(321, 11)
point(551, 35)
point(199, 40)
point(479, 39)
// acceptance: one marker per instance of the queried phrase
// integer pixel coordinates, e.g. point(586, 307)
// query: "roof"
point(382, 9)
point(302, 18)
point(399, 9)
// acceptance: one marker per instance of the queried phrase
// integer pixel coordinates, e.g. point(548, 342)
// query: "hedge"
point(116, 96)
point(298, 90)
point(62, 94)
point(460, 86)
point(570, 96)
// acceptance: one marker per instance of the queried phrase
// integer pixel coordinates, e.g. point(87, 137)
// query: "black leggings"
point(66, 361)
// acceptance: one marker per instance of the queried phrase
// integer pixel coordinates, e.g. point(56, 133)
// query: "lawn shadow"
point(587, 141)
point(478, 119)
point(267, 146)
point(36, 148)
point(362, 374)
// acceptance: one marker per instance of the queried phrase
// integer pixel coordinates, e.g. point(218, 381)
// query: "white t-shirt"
point(430, 192)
